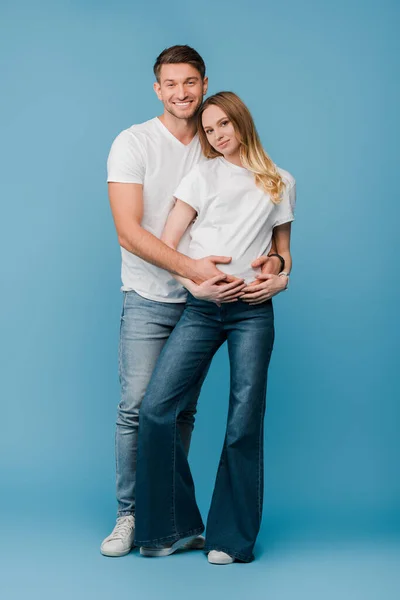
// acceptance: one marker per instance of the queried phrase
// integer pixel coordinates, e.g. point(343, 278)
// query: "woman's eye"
point(224, 123)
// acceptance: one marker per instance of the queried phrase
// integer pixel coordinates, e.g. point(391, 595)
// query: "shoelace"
point(123, 527)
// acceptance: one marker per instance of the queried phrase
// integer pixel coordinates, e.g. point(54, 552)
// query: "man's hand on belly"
point(205, 268)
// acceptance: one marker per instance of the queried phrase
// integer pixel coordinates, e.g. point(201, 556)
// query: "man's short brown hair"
point(179, 54)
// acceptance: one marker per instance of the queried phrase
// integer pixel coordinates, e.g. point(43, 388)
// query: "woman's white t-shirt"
point(235, 217)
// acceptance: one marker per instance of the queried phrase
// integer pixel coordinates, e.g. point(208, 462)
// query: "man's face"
point(181, 89)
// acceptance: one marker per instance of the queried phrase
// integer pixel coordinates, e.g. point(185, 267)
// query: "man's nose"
point(181, 92)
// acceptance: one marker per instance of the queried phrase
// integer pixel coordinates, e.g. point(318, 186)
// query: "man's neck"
point(183, 129)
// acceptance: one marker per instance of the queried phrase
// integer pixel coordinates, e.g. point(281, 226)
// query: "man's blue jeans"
point(166, 508)
point(145, 327)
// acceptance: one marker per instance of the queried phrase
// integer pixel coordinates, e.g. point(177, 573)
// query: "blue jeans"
point(166, 508)
point(145, 327)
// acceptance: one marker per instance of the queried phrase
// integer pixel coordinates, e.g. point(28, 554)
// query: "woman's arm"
point(268, 264)
point(270, 284)
point(179, 219)
point(282, 242)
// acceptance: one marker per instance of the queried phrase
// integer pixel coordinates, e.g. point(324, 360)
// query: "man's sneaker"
point(120, 542)
point(196, 543)
point(215, 557)
point(188, 543)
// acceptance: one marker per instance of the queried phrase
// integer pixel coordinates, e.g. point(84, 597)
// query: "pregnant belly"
point(240, 266)
point(240, 270)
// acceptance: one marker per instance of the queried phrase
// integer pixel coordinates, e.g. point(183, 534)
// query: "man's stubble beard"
point(191, 115)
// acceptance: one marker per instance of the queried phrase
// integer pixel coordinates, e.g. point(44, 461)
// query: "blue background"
point(321, 79)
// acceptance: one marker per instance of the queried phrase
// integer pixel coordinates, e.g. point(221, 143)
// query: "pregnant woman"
point(238, 199)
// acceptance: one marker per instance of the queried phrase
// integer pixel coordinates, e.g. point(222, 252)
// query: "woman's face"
point(220, 131)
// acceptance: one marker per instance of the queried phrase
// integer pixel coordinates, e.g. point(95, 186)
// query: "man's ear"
point(157, 89)
point(205, 85)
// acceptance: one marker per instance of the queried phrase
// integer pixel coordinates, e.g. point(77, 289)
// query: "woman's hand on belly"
point(263, 288)
point(219, 289)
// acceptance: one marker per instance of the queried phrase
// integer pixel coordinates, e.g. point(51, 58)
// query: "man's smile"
point(183, 104)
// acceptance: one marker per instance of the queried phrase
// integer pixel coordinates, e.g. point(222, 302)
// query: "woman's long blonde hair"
point(252, 154)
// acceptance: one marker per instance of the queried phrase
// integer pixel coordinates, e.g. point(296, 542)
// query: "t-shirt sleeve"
point(285, 209)
point(126, 161)
point(191, 190)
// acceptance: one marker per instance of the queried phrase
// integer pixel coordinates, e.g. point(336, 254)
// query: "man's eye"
point(170, 84)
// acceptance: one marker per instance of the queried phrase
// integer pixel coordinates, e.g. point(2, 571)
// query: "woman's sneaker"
point(193, 542)
point(196, 543)
point(215, 557)
point(120, 541)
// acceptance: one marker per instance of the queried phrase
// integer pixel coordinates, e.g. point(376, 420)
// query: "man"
point(145, 165)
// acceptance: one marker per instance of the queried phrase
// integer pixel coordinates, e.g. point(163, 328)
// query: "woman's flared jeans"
point(166, 508)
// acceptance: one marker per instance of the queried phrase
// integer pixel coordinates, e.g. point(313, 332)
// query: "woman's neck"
point(234, 159)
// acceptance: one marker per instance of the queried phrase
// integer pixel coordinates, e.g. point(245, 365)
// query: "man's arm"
point(126, 200)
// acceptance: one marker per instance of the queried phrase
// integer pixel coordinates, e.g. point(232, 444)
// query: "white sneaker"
point(215, 557)
point(196, 543)
point(188, 543)
point(120, 541)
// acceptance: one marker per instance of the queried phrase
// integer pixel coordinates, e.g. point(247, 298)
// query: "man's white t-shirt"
point(235, 217)
point(150, 155)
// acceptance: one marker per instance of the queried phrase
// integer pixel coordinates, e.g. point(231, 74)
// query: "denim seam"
point(260, 440)
point(120, 513)
point(171, 538)
point(260, 456)
point(173, 511)
point(194, 375)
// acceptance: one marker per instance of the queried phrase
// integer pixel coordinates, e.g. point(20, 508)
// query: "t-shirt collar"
point(171, 135)
point(232, 166)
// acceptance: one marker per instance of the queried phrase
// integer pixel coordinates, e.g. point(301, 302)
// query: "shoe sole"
point(167, 551)
point(116, 554)
point(197, 544)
